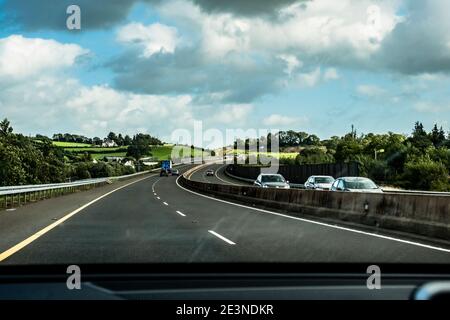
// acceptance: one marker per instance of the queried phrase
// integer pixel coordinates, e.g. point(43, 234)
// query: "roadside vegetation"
point(40, 160)
point(418, 161)
point(68, 157)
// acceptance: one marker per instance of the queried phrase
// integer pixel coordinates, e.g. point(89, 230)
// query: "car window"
point(323, 180)
point(361, 184)
point(149, 120)
point(272, 178)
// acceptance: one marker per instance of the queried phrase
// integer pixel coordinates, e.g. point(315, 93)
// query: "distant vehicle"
point(210, 172)
point(271, 181)
point(166, 167)
point(174, 172)
point(319, 182)
point(166, 164)
point(355, 184)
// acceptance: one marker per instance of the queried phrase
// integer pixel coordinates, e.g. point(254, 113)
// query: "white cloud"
point(233, 114)
point(331, 74)
point(277, 120)
point(22, 57)
point(58, 104)
point(292, 63)
point(345, 30)
point(431, 107)
point(153, 38)
point(308, 79)
point(370, 91)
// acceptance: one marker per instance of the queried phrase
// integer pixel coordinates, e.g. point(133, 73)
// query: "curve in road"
point(156, 220)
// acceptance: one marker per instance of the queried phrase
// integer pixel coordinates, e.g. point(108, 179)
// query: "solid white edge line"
point(221, 237)
point(24, 243)
point(319, 223)
point(227, 182)
point(181, 213)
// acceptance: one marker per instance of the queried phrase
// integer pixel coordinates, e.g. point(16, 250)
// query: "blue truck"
point(166, 168)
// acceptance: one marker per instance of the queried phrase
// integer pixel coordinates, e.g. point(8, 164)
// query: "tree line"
point(419, 161)
point(26, 160)
point(119, 139)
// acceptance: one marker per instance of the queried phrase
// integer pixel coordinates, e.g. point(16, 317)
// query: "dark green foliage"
point(25, 160)
point(420, 161)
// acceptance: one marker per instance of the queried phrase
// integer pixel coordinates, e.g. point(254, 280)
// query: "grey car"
point(271, 181)
point(319, 182)
point(355, 184)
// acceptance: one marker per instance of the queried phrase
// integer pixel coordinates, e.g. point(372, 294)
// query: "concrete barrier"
point(426, 215)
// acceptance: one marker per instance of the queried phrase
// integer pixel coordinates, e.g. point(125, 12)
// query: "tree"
point(425, 174)
point(97, 141)
point(5, 127)
point(348, 149)
point(312, 140)
point(139, 147)
point(127, 140)
point(314, 155)
point(112, 136)
point(437, 136)
point(120, 140)
point(420, 138)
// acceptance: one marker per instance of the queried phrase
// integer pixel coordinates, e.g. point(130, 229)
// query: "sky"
point(159, 67)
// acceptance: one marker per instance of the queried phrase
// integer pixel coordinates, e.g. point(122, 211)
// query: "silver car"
point(355, 184)
point(319, 182)
point(271, 181)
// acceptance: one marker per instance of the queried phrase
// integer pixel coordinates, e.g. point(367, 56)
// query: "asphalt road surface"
point(153, 219)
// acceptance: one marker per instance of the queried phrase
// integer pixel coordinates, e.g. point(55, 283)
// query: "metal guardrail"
point(12, 195)
point(18, 195)
point(44, 187)
point(417, 192)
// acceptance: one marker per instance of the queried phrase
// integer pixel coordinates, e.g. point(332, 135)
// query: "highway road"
point(154, 219)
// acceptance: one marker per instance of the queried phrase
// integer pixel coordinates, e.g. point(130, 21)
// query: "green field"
point(163, 152)
point(96, 149)
point(71, 144)
point(278, 155)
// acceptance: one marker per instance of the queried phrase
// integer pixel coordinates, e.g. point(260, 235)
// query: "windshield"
point(272, 179)
point(323, 180)
point(134, 132)
point(360, 184)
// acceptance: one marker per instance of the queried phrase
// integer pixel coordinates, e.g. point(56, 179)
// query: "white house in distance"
point(109, 144)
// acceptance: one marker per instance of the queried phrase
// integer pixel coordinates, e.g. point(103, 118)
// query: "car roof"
point(354, 178)
point(321, 177)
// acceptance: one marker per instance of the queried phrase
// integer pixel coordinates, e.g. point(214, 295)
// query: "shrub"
point(425, 174)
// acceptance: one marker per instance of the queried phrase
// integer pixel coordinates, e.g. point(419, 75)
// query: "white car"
point(319, 182)
point(266, 180)
point(355, 184)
